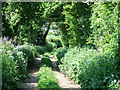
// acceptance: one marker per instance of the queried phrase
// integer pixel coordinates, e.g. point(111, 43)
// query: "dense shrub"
point(60, 52)
point(47, 54)
point(104, 26)
point(40, 50)
point(21, 64)
point(49, 46)
point(77, 23)
point(47, 78)
point(13, 65)
point(54, 45)
point(28, 52)
point(46, 61)
point(90, 68)
point(9, 72)
point(55, 39)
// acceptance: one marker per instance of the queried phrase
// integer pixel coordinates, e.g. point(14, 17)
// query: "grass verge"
point(47, 78)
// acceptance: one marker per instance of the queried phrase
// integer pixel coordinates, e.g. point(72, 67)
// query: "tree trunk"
point(45, 35)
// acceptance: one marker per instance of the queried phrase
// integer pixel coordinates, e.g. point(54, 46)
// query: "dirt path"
point(63, 81)
point(32, 82)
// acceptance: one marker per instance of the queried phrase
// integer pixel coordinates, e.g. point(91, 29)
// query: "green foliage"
point(47, 78)
point(28, 52)
point(47, 54)
point(55, 39)
point(60, 52)
point(15, 62)
point(14, 15)
point(10, 77)
point(40, 50)
point(21, 64)
point(14, 67)
point(93, 26)
point(49, 46)
point(77, 22)
point(104, 25)
point(64, 34)
point(51, 11)
point(33, 30)
point(6, 30)
point(46, 61)
point(91, 69)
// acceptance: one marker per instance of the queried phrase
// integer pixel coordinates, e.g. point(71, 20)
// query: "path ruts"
point(32, 82)
point(63, 81)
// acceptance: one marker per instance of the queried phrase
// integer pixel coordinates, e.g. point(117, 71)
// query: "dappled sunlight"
point(60, 45)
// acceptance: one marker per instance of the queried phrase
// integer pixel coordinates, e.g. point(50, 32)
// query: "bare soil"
point(32, 81)
point(64, 81)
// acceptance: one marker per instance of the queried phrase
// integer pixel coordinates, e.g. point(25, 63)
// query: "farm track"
point(32, 82)
point(63, 80)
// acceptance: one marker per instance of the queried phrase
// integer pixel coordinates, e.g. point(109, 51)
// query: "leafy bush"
point(40, 50)
point(77, 23)
point(60, 52)
point(54, 45)
point(104, 25)
point(47, 54)
point(55, 39)
point(13, 65)
point(90, 68)
point(28, 52)
point(10, 74)
point(47, 78)
point(21, 64)
point(46, 61)
point(49, 46)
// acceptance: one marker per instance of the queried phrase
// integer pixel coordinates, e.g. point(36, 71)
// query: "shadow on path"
point(32, 81)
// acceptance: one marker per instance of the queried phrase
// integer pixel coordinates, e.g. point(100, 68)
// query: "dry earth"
point(32, 81)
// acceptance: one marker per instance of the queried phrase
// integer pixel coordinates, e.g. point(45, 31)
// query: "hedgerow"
point(59, 53)
point(15, 61)
point(104, 26)
point(14, 68)
point(47, 78)
point(40, 50)
point(89, 68)
point(28, 53)
point(55, 39)
point(46, 61)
